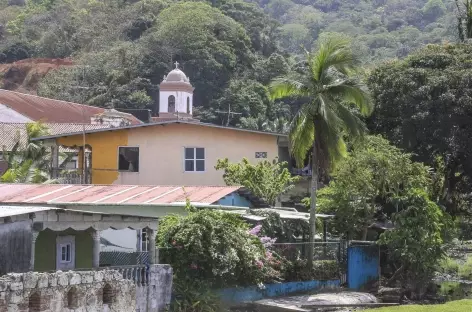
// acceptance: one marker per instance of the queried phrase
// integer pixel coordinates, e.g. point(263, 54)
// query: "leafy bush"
point(465, 270)
point(194, 296)
point(415, 244)
point(322, 270)
point(448, 266)
point(212, 246)
point(265, 179)
point(325, 269)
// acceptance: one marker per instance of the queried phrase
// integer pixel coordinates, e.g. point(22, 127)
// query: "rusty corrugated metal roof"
point(51, 110)
point(110, 194)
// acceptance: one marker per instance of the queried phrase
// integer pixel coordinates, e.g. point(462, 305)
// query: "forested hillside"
point(230, 49)
point(379, 29)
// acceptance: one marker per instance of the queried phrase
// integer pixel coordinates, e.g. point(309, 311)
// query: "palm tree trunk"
point(314, 188)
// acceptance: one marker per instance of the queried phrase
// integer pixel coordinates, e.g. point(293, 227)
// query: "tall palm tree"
point(333, 99)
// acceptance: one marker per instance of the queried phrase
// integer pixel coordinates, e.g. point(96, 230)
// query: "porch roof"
point(97, 195)
point(58, 219)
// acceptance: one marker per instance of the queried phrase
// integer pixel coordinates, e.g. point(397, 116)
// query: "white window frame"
point(118, 158)
point(63, 242)
point(195, 159)
point(61, 246)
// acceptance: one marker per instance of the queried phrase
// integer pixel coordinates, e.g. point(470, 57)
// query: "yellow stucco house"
point(173, 149)
point(175, 152)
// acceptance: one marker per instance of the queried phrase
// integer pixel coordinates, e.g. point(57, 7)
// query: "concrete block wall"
point(67, 291)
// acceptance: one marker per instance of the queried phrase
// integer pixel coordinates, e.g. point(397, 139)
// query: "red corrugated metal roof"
point(50, 110)
point(110, 194)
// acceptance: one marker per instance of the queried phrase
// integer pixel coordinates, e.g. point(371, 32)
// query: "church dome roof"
point(176, 75)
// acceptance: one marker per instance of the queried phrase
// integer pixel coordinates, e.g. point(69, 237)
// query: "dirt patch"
point(23, 76)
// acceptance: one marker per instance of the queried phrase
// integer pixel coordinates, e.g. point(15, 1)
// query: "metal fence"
point(322, 250)
point(119, 258)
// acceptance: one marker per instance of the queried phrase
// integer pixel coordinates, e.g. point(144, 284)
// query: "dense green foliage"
point(211, 249)
point(416, 242)
point(422, 105)
point(365, 183)
point(266, 180)
point(122, 49)
point(211, 246)
point(230, 49)
point(380, 29)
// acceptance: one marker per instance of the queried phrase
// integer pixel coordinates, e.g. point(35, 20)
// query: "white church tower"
point(175, 95)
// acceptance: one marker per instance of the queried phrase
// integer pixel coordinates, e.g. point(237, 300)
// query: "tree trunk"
point(364, 233)
point(314, 188)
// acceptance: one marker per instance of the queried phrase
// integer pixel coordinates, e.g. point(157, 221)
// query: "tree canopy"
point(265, 179)
point(364, 186)
point(422, 105)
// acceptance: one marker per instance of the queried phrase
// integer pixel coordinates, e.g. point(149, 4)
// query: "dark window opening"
point(188, 105)
point(107, 294)
point(171, 102)
point(144, 240)
point(128, 159)
point(194, 159)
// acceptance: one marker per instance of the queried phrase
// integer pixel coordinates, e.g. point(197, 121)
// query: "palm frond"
point(284, 87)
point(332, 53)
point(352, 93)
point(302, 135)
point(352, 124)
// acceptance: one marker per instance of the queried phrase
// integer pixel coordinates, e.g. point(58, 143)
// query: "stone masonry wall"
point(67, 291)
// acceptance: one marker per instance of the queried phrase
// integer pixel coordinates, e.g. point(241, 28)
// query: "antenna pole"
point(230, 113)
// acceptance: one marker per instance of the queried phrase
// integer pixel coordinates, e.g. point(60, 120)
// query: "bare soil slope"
point(23, 76)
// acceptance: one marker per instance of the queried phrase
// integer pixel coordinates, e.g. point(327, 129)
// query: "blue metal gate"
point(363, 266)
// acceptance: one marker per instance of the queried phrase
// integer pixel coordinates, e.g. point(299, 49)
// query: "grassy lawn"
point(453, 306)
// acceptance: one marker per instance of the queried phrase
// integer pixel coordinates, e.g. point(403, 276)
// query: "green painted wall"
point(45, 250)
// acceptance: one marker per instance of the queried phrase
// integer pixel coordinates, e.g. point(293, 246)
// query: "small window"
point(66, 252)
point(194, 159)
point(128, 159)
point(144, 240)
point(188, 105)
point(171, 101)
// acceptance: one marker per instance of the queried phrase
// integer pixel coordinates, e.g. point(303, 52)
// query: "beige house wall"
point(161, 153)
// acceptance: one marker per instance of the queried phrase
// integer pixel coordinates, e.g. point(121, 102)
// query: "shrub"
point(322, 270)
point(465, 270)
point(448, 266)
point(415, 244)
point(212, 246)
point(195, 296)
point(325, 269)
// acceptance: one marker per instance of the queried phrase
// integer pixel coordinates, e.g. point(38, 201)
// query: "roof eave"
point(163, 123)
